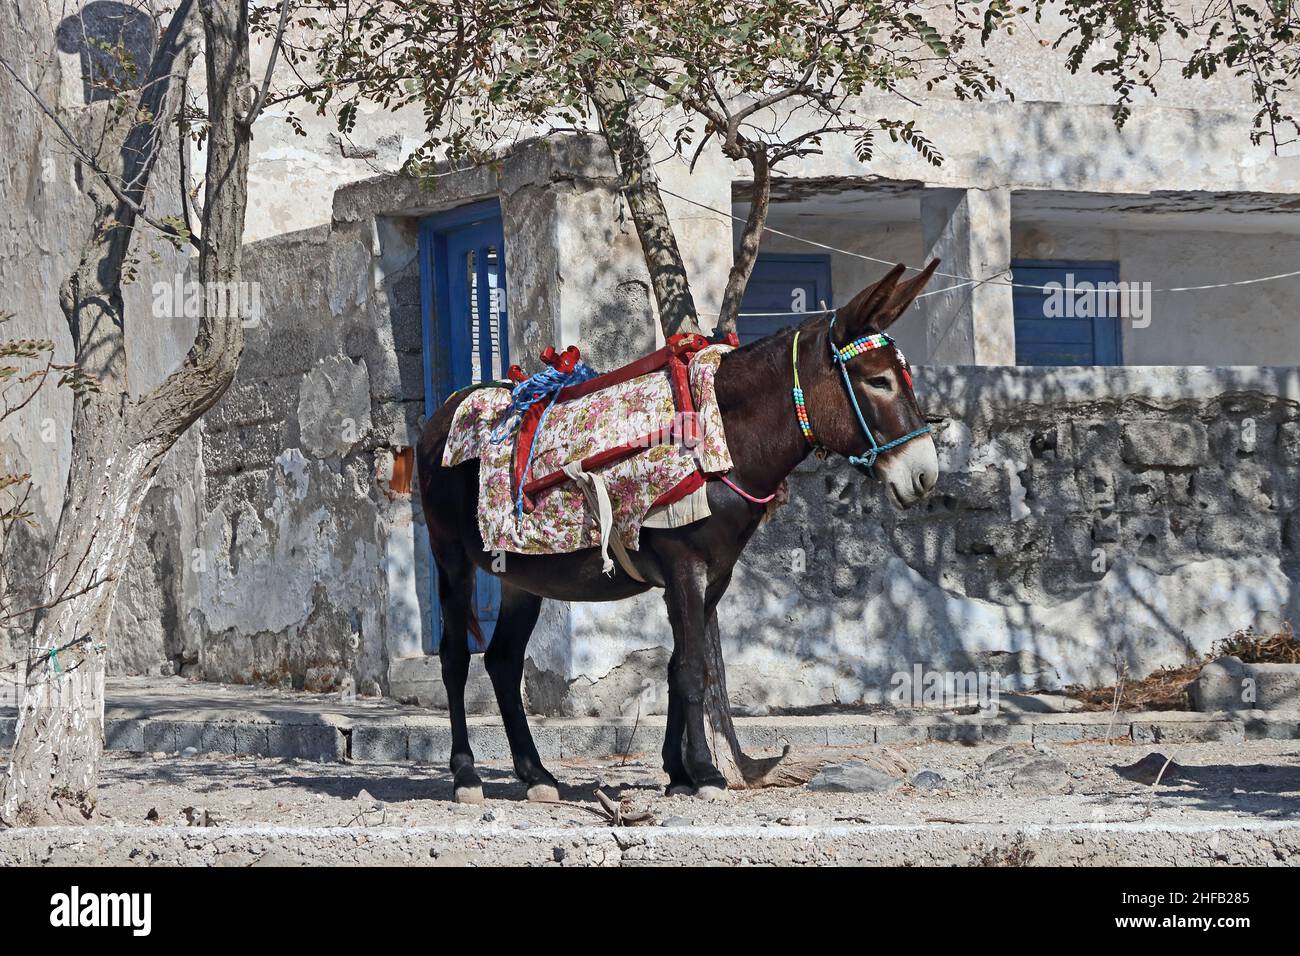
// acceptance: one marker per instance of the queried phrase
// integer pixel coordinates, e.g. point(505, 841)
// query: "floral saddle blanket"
point(591, 462)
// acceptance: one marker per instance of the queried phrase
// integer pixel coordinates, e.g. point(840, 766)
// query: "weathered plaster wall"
point(1251, 324)
point(319, 572)
point(43, 220)
point(1058, 132)
point(1158, 510)
point(1238, 325)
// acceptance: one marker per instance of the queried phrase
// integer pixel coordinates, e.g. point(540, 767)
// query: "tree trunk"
point(750, 238)
point(672, 293)
point(118, 445)
point(54, 765)
point(672, 290)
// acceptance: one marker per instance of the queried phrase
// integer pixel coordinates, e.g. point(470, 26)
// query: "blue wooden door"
point(1061, 328)
point(466, 333)
point(781, 285)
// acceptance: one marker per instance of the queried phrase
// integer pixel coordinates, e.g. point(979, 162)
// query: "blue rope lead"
point(542, 386)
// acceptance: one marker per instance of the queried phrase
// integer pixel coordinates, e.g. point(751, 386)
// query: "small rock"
point(1026, 767)
point(189, 751)
point(1147, 770)
point(1045, 773)
point(152, 816)
point(853, 776)
point(676, 822)
point(488, 817)
point(928, 780)
point(364, 798)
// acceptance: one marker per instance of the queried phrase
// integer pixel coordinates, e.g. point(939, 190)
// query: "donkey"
point(833, 383)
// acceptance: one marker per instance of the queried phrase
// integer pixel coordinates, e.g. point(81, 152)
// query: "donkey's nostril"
point(925, 479)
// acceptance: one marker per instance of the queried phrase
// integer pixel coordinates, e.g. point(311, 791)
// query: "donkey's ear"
point(904, 294)
point(859, 315)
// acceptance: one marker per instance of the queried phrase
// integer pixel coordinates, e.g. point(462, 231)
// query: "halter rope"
point(841, 357)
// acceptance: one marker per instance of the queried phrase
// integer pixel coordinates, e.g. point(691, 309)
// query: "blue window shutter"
point(1043, 339)
point(783, 284)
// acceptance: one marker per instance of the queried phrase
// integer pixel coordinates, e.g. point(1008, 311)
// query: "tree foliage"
point(1130, 41)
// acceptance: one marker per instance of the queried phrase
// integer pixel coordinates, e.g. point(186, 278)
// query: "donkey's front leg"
point(688, 612)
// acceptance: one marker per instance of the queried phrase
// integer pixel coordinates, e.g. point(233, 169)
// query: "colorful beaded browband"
point(876, 340)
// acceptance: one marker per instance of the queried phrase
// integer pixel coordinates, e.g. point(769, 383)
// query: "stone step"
point(426, 737)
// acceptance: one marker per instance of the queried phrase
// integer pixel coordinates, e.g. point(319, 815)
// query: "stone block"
point(1188, 731)
point(1007, 732)
point(425, 744)
point(1064, 733)
point(901, 733)
point(1239, 535)
point(306, 741)
point(1262, 725)
point(957, 732)
point(126, 735)
point(217, 738)
point(253, 739)
point(1167, 444)
point(387, 743)
point(1277, 686)
point(1288, 443)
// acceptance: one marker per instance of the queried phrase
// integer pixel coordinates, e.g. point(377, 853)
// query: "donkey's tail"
point(476, 629)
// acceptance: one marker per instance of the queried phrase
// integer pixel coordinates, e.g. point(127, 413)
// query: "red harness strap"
point(676, 356)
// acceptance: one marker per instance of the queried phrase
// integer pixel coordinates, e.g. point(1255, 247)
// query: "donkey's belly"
point(576, 576)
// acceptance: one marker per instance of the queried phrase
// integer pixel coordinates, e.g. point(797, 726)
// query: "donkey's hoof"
point(680, 790)
point(543, 793)
point(710, 792)
point(472, 794)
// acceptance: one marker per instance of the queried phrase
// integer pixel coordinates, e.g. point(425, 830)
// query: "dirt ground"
point(1224, 782)
point(1230, 803)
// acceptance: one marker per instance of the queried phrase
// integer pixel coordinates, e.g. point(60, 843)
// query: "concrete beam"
point(970, 230)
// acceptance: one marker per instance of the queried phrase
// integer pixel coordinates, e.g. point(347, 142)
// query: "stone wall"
point(1083, 516)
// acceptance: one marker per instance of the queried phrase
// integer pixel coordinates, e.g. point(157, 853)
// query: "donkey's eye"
point(880, 382)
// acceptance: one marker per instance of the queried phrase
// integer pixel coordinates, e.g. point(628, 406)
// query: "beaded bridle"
point(841, 358)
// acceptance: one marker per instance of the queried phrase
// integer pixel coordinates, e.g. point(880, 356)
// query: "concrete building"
point(1114, 489)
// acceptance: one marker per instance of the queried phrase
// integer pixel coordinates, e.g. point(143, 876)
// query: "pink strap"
point(740, 491)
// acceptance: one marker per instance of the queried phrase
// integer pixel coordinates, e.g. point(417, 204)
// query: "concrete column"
point(970, 230)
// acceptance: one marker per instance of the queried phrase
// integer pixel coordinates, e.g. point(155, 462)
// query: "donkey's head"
point(876, 423)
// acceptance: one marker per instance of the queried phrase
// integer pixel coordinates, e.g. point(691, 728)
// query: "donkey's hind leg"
point(455, 591)
point(505, 666)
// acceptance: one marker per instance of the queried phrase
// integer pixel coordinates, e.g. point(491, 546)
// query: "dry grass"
point(1166, 689)
point(1255, 648)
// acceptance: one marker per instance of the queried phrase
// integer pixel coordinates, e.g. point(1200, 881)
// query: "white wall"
point(1257, 324)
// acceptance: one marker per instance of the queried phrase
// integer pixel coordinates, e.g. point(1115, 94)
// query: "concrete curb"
point(426, 738)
